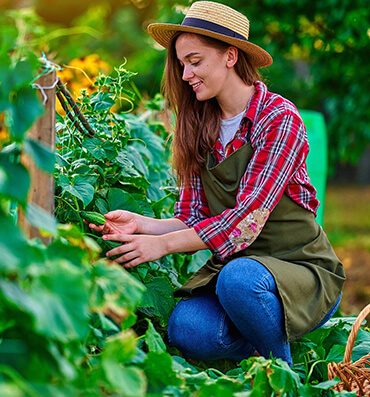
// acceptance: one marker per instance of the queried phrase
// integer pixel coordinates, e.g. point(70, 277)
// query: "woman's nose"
point(187, 73)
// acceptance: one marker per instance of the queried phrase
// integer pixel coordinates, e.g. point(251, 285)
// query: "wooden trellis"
point(41, 191)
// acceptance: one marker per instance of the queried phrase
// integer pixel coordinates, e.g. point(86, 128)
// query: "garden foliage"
point(73, 323)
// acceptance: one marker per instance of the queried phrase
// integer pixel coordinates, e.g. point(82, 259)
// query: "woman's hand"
point(118, 222)
point(136, 249)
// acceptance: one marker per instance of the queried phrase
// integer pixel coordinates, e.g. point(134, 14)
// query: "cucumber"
point(93, 217)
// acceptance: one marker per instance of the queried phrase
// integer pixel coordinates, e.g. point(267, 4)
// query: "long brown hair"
point(197, 122)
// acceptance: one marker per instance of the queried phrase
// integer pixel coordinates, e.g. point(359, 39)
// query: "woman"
point(239, 153)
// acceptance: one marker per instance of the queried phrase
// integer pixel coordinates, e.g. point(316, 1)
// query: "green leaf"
point(282, 378)
point(145, 142)
point(120, 347)
point(24, 109)
point(60, 249)
point(336, 354)
point(39, 218)
point(135, 157)
point(159, 371)
point(16, 253)
point(327, 385)
point(158, 299)
point(215, 390)
point(261, 384)
point(78, 187)
point(102, 101)
point(8, 389)
point(110, 150)
point(153, 340)
point(14, 180)
point(360, 350)
point(61, 161)
point(41, 153)
point(128, 381)
point(95, 147)
point(120, 200)
point(63, 297)
point(57, 302)
point(114, 287)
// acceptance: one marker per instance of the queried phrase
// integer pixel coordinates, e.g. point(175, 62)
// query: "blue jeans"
point(244, 315)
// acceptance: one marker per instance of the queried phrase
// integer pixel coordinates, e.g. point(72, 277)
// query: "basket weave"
point(354, 376)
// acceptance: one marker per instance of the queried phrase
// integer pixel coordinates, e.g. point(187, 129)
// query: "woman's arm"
point(126, 222)
point(140, 248)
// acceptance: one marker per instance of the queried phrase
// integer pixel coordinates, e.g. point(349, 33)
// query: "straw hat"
point(214, 20)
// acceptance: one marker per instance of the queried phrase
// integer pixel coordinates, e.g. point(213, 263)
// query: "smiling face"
point(205, 68)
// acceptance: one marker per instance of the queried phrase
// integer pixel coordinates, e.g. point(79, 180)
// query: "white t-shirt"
point(229, 128)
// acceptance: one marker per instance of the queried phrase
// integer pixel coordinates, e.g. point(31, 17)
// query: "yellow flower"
point(80, 74)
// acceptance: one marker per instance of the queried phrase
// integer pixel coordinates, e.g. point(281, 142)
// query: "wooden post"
point(41, 191)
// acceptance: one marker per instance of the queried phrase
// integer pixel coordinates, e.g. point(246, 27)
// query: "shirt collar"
point(256, 101)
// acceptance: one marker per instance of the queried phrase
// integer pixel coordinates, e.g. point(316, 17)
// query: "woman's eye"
point(195, 63)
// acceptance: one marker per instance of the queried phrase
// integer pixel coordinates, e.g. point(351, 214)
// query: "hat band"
point(213, 27)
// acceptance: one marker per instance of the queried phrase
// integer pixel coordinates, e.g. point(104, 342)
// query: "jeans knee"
point(194, 328)
point(185, 334)
point(242, 274)
point(176, 325)
point(245, 282)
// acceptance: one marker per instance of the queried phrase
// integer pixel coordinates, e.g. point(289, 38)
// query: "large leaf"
point(135, 157)
point(102, 101)
point(78, 187)
point(336, 354)
point(158, 299)
point(160, 373)
point(57, 302)
point(153, 340)
point(282, 378)
point(14, 180)
point(115, 288)
point(128, 381)
point(145, 141)
point(96, 147)
point(60, 249)
point(38, 217)
point(120, 347)
point(216, 390)
point(15, 251)
point(118, 199)
point(42, 155)
point(23, 109)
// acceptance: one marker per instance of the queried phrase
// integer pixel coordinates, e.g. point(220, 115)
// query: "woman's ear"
point(232, 56)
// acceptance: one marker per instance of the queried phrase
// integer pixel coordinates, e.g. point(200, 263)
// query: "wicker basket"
point(354, 376)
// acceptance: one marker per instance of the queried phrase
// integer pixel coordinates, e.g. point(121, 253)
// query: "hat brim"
point(163, 32)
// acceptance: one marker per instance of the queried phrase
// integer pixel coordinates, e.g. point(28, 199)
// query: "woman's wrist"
point(152, 226)
point(186, 240)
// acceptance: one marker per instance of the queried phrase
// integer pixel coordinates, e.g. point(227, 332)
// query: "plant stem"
point(312, 368)
point(216, 371)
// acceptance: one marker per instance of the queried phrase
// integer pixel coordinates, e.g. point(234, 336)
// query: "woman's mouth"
point(196, 85)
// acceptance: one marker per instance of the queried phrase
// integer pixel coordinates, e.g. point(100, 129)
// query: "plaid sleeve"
point(280, 149)
point(192, 206)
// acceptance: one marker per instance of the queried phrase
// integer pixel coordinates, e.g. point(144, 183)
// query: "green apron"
point(291, 245)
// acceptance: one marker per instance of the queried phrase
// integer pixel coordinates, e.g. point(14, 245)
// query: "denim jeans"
point(244, 315)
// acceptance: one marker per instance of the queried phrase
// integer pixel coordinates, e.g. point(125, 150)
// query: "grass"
point(347, 225)
point(347, 216)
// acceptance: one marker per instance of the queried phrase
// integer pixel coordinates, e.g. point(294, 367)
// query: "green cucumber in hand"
point(93, 217)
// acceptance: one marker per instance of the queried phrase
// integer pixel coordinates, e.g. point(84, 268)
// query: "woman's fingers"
point(136, 249)
point(98, 228)
point(130, 256)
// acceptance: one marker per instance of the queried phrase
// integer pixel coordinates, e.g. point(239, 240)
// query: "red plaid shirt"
point(279, 141)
